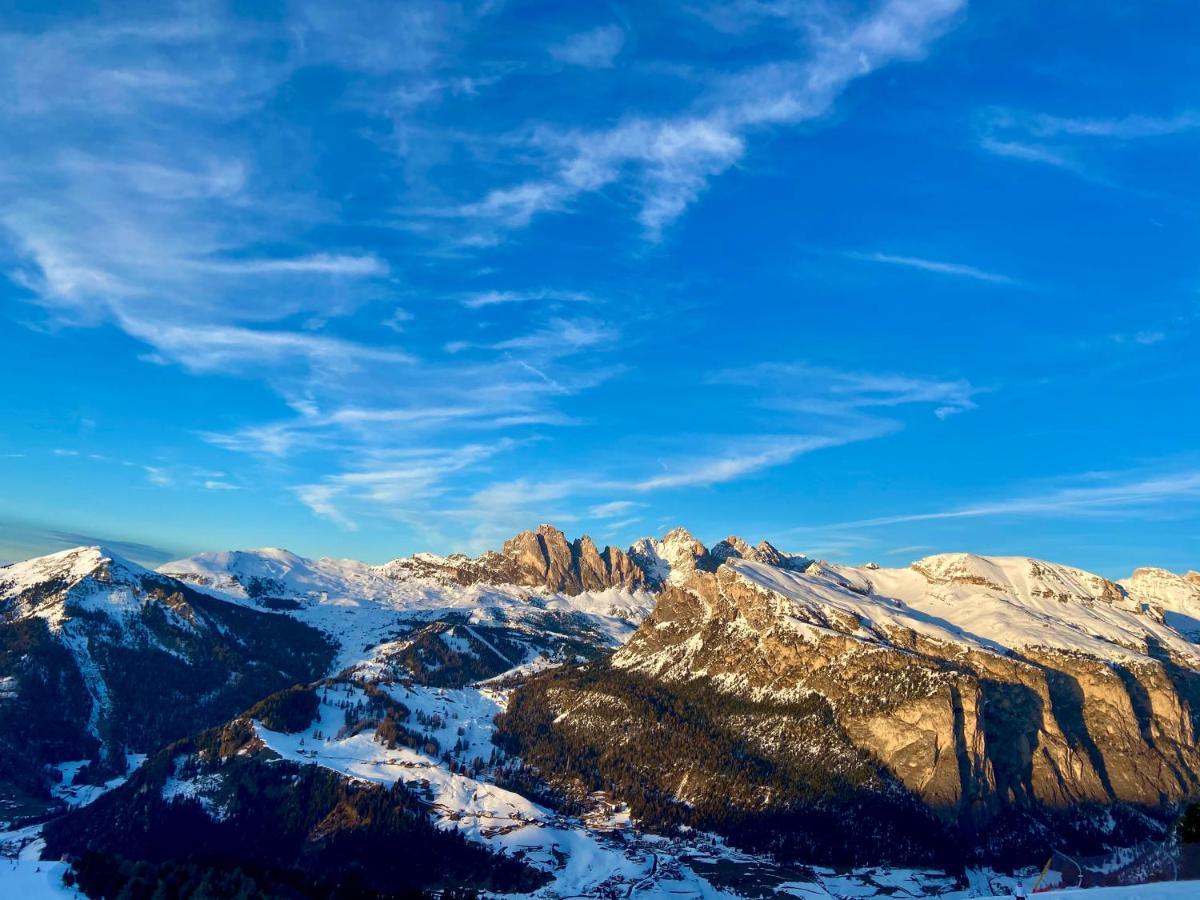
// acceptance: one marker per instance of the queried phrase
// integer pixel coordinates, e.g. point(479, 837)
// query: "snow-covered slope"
point(272, 573)
point(361, 605)
point(1005, 604)
point(86, 579)
point(100, 657)
point(1178, 596)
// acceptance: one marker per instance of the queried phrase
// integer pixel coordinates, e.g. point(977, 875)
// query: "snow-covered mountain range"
point(609, 719)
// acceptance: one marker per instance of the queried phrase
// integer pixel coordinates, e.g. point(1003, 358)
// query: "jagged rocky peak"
point(539, 558)
point(544, 558)
point(773, 556)
point(672, 558)
point(733, 547)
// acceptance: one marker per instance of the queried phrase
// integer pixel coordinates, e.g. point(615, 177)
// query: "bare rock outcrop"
point(544, 558)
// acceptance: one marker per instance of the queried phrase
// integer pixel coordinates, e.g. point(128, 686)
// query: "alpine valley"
point(555, 720)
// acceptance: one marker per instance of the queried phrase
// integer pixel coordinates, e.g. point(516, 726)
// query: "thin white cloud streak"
point(561, 336)
point(612, 528)
point(407, 415)
point(215, 348)
point(1029, 153)
point(1129, 127)
point(800, 387)
point(351, 430)
point(1024, 136)
point(612, 508)
point(1136, 494)
point(316, 264)
point(398, 320)
point(669, 161)
point(406, 493)
point(158, 476)
point(594, 49)
point(319, 498)
point(392, 483)
point(206, 178)
point(498, 298)
point(931, 265)
point(757, 455)
point(488, 397)
point(1142, 338)
point(522, 492)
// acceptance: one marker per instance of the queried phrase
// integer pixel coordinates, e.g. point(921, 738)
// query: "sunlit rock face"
point(978, 683)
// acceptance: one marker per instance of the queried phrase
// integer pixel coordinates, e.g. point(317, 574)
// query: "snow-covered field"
point(31, 879)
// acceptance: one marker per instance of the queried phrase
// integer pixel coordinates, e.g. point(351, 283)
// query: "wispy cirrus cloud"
point(144, 202)
point(809, 389)
point(210, 348)
point(483, 299)
point(489, 398)
point(612, 508)
point(159, 476)
point(561, 336)
point(665, 162)
point(594, 49)
point(135, 199)
point(831, 409)
point(938, 267)
point(1070, 143)
point(1030, 152)
point(1130, 127)
point(1116, 493)
point(315, 264)
point(747, 457)
point(393, 483)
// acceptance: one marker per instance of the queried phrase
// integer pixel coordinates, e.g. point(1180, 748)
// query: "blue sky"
point(872, 280)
